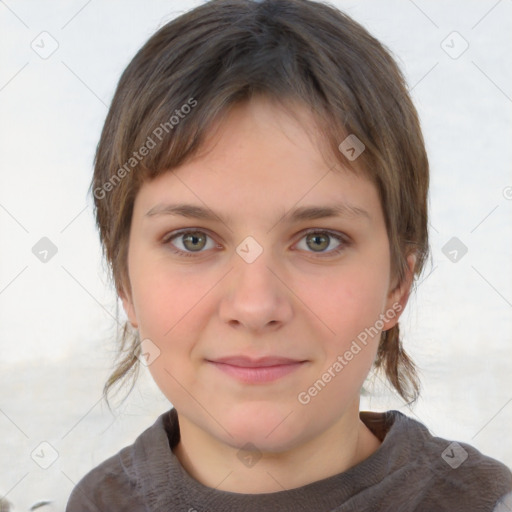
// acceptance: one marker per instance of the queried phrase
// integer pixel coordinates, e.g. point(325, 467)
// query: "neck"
point(216, 465)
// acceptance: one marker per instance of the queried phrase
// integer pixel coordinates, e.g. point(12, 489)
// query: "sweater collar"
point(159, 476)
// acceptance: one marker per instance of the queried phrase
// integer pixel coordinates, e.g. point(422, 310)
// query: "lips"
point(253, 371)
point(262, 362)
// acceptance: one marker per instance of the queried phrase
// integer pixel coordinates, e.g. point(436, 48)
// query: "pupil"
point(193, 239)
point(318, 241)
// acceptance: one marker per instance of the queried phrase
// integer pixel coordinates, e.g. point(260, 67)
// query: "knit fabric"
point(410, 471)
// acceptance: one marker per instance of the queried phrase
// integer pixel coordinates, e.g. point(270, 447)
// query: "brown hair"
point(193, 69)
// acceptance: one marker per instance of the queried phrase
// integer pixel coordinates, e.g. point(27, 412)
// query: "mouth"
point(257, 371)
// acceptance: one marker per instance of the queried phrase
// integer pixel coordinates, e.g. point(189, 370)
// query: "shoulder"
point(118, 481)
point(103, 486)
point(454, 475)
point(455, 472)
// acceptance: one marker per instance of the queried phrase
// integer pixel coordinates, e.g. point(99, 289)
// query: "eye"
point(193, 242)
point(321, 241)
point(189, 242)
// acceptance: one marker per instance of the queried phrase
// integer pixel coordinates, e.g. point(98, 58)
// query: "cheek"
point(347, 301)
point(167, 303)
point(172, 311)
point(350, 304)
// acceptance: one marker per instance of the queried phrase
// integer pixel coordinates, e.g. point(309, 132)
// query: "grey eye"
point(192, 241)
point(319, 242)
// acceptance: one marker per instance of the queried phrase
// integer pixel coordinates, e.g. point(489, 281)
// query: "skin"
point(297, 300)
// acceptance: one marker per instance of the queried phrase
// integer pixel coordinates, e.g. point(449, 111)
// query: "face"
point(262, 298)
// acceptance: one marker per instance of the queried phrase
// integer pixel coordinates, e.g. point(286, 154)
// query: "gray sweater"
point(410, 471)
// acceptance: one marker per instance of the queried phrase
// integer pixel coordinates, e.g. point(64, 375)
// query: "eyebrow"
point(299, 214)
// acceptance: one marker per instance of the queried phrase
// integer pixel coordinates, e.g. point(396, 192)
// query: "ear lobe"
point(398, 297)
point(129, 308)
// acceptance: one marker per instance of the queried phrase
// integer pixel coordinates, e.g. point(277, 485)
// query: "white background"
point(57, 318)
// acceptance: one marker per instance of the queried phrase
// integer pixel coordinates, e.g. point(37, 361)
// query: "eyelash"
point(343, 239)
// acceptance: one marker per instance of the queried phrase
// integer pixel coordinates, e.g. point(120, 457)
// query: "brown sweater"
point(410, 471)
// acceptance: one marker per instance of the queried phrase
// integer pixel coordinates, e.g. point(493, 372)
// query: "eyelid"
point(175, 233)
point(335, 234)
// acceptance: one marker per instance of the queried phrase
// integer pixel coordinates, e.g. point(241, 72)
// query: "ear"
point(128, 307)
point(399, 295)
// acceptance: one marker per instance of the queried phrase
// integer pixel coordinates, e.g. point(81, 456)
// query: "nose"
point(256, 297)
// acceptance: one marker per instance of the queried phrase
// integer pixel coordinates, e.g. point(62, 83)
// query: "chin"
point(269, 427)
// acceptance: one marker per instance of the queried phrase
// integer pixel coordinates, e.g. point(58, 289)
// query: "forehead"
point(262, 157)
point(285, 129)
